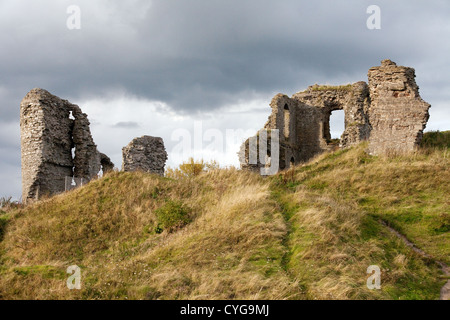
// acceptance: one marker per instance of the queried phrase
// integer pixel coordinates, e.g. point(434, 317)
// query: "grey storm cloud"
point(201, 55)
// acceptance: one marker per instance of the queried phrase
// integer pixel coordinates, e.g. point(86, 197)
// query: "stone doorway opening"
point(336, 127)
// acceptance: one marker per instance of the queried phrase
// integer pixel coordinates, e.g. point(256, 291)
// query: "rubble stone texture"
point(397, 113)
point(388, 112)
point(146, 153)
point(51, 128)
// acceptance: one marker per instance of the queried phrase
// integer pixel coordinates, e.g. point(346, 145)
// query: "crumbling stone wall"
point(397, 113)
point(303, 122)
point(87, 159)
point(106, 163)
point(145, 153)
point(50, 129)
point(321, 101)
point(388, 112)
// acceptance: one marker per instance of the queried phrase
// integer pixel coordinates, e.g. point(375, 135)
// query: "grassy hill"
point(308, 233)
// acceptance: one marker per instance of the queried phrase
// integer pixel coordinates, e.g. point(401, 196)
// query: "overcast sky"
point(167, 67)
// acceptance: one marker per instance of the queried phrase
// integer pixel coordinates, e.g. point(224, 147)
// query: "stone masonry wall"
point(353, 99)
point(388, 112)
point(48, 135)
point(145, 153)
point(397, 113)
point(87, 158)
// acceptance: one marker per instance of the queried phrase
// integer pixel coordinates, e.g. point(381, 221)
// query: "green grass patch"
point(347, 87)
point(47, 272)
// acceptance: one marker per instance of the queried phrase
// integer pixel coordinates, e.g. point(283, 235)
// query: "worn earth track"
point(445, 290)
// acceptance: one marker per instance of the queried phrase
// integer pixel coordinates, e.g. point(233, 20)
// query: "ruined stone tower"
point(397, 113)
point(388, 112)
point(51, 130)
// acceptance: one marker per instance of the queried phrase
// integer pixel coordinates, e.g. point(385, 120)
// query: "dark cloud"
point(204, 54)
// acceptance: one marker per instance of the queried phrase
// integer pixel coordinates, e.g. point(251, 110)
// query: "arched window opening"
point(287, 121)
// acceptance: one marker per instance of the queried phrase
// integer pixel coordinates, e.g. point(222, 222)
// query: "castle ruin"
point(56, 143)
point(388, 112)
point(57, 148)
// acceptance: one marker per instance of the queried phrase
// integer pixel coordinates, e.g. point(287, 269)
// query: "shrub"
point(191, 168)
point(171, 216)
point(436, 139)
point(6, 204)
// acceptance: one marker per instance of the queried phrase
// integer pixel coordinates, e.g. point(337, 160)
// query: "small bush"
point(6, 204)
point(172, 216)
point(191, 168)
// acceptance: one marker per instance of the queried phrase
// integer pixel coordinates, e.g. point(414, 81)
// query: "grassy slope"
point(232, 249)
point(410, 193)
point(309, 233)
point(336, 204)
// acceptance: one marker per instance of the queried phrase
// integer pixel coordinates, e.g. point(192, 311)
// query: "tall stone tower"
point(51, 130)
point(397, 113)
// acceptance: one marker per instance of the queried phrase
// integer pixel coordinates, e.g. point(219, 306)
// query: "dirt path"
point(445, 290)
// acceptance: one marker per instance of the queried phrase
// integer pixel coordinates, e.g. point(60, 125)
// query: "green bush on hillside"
point(172, 216)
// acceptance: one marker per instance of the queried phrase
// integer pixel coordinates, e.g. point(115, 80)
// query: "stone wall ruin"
point(146, 154)
point(56, 141)
point(51, 130)
point(388, 111)
point(397, 112)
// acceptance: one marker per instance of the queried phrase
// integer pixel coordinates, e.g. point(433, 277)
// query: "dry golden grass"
point(308, 233)
point(232, 249)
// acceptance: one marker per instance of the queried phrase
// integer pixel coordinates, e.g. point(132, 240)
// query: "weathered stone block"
point(145, 153)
